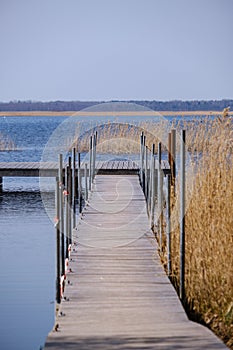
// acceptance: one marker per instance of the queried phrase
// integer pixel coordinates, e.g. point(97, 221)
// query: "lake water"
point(27, 242)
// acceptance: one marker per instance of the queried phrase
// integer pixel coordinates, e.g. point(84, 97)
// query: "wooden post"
point(146, 173)
point(169, 149)
point(67, 209)
point(86, 188)
point(160, 196)
point(152, 207)
point(182, 215)
point(90, 163)
point(141, 157)
point(70, 200)
point(74, 190)
point(62, 233)
point(79, 183)
point(58, 294)
point(173, 156)
point(150, 181)
point(143, 164)
point(168, 224)
point(93, 157)
point(95, 150)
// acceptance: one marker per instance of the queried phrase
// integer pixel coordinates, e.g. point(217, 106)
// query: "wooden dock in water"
point(50, 169)
point(117, 295)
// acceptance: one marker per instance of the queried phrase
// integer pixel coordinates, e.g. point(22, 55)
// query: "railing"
point(69, 189)
point(158, 186)
point(158, 183)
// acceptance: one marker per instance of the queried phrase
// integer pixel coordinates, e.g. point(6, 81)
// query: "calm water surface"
point(27, 242)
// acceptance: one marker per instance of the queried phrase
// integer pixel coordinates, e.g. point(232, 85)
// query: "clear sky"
point(116, 49)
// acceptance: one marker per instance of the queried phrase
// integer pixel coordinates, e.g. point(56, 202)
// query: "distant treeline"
point(61, 106)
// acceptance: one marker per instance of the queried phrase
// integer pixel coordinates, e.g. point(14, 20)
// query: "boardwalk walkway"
point(50, 169)
point(117, 294)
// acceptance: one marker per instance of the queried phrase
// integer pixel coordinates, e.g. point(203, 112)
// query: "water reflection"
point(27, 260)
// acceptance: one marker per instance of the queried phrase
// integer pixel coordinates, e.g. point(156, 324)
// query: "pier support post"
point(58, 294)
point(79, 184)
point(86, 188)
point(141, 156)
point(74, 190)
point(152, 200)
point(146, 173)
point(67, 205)
point(182, 215)
point(62, 233)
point(169, 149)
point(160, 197)
point(168, 224)
point(90, 163)
point(70, 200)
point(1, 184)
point(149, 201)
point(143, 163)
point(94, 154)
point(173, 157)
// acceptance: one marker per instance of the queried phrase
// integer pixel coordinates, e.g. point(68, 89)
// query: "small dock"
point(117, 295)
point(51, 169)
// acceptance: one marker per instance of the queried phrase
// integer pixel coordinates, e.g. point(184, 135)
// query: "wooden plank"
point(117, 293)
point(49, 169)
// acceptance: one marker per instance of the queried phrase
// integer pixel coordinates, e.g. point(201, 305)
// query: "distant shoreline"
point(99, 113)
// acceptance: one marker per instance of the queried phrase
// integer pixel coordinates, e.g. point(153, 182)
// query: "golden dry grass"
point(209, 231)
point(120, 138)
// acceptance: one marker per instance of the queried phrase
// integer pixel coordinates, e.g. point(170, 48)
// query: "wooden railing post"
point(143, 163)
point(74, 190)
point(93, 159)
point(86, 188)
point(79, 183)
point(152, 207)
point(173, 157)
point(58, 248)
point(160, 197)
point(141, 157)
point(94, 155)
point(146, 173)
point(169, 149)
point(182, 215)
point(90, 163)
point(168, 224)
point(62, 233)
point(70, 200)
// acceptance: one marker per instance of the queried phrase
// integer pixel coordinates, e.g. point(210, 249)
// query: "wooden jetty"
point(117, 295)
point(50, 169)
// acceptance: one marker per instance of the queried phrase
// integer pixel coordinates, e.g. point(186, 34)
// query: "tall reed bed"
point(209, 229)
point(121, 138)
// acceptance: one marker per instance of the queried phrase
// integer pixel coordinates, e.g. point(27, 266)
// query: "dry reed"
point(209, 229)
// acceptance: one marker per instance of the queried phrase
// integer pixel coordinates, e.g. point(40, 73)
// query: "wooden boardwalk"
point(117, 295)
point(50, 169)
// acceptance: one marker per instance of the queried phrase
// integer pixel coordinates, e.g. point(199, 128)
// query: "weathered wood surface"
point(117, 295)
point(50, 169)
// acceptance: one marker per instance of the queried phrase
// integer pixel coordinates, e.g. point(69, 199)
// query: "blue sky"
point(116, 49)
